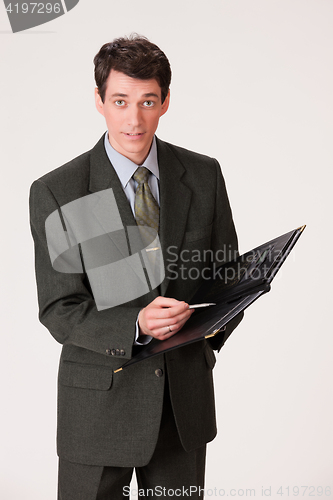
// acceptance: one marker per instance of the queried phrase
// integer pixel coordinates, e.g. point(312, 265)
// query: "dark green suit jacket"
point(113, 419)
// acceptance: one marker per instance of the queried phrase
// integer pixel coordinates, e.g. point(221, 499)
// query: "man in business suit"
point(157, 415)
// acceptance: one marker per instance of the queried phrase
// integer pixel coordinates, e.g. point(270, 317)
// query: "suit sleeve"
point(224, 238)
point(66, 306)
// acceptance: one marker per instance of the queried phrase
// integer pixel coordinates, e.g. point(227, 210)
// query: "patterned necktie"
point(147, 212)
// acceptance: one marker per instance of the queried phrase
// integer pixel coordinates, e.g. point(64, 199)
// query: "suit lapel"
point(175, 198)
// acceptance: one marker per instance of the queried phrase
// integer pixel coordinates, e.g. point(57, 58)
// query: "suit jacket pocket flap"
point(85, 376)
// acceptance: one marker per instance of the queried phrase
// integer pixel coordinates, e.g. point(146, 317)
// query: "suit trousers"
point(171, 471)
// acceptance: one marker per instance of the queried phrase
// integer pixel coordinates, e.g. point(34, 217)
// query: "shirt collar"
point(125, 168)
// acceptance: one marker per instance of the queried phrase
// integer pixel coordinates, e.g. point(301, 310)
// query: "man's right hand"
point(163, 317)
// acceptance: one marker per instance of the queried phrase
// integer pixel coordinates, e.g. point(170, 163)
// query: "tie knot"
point(141, 175)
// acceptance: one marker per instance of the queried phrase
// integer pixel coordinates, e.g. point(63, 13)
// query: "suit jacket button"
point(108, 351)
point(117, 352)
point(159, 372)
point(122, 352)
point(113, 352)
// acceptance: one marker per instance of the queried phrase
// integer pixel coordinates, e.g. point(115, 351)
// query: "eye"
point(148, 104)
point(120, 102)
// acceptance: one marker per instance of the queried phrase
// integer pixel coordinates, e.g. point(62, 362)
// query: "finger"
point(166, 302)
point(169, 312)
point(174, 321)
point(166, 331)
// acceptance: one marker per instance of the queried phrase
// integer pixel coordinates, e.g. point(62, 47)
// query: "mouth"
point(134, 134)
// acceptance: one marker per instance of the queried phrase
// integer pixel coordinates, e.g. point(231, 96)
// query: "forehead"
point(119, 83)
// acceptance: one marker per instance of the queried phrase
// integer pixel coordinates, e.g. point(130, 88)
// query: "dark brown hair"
point(135, 56)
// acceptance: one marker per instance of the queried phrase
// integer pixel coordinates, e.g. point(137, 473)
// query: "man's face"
point(132, 109)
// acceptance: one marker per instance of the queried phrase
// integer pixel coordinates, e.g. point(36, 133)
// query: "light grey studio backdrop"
point(252, 86)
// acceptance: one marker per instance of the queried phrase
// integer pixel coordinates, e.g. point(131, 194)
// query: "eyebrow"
point(149, 94)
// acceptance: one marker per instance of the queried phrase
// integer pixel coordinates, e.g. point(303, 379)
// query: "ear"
point(98, 102)
point(165, 105)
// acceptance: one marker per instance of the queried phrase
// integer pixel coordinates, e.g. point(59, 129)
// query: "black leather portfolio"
point(233, 287)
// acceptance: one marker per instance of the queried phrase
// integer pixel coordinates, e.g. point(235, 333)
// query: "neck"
point(137, 158)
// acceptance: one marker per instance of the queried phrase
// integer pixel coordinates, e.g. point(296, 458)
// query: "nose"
point(134, 118)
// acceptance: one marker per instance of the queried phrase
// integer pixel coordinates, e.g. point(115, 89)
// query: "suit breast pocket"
point(85, 376)
point(199, 234)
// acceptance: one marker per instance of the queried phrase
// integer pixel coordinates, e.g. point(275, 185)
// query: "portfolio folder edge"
point(254, 271)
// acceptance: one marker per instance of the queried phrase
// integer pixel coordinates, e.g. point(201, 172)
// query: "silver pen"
point(196, 306)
